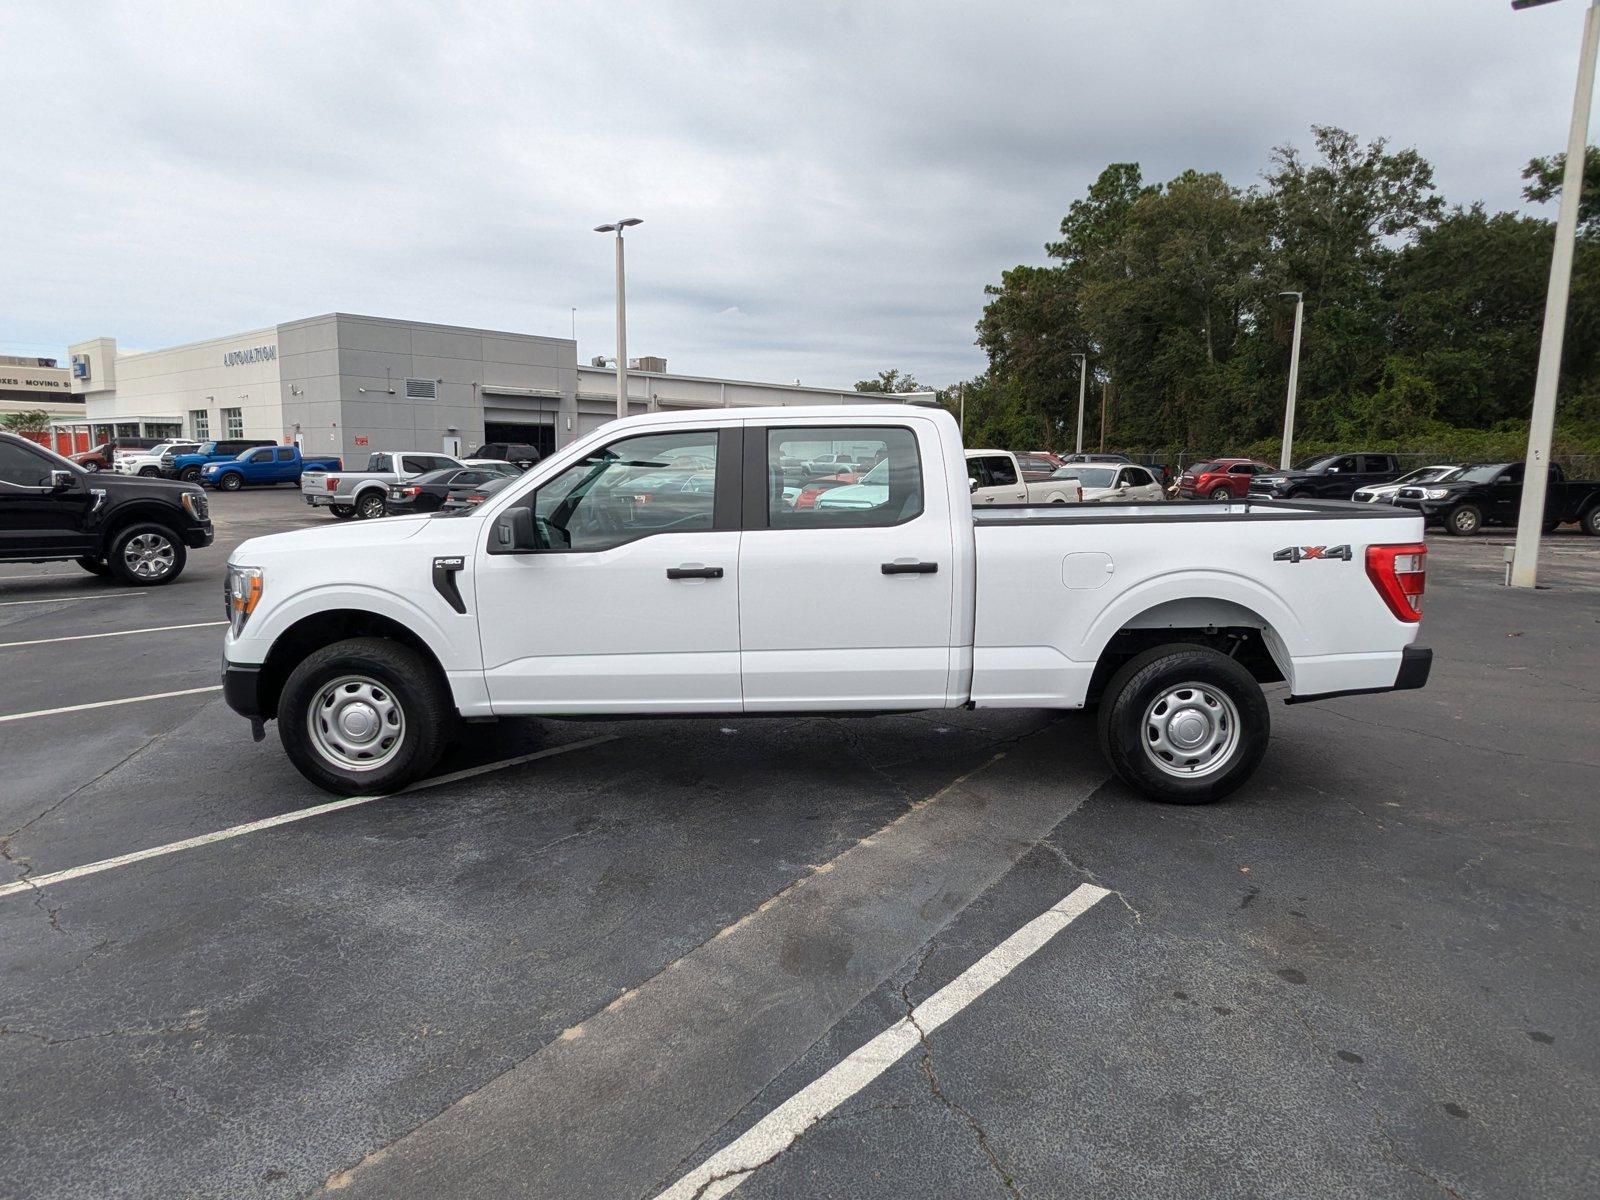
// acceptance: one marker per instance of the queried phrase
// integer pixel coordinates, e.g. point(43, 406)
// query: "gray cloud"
point(826, 187)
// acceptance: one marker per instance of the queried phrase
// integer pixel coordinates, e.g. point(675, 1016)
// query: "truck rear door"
point(848, 605)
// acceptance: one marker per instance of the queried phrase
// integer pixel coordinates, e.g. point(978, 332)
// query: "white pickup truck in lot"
point(362, 494)
point(599, 584)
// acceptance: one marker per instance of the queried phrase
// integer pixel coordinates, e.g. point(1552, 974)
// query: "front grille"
point(1409, 494)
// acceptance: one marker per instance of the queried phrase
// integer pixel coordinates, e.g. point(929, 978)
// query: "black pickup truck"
point(1328, 477)
point(1491, 494)
point(138, 531)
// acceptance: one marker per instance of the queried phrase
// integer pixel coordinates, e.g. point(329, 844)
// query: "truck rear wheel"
point(364, 716)
point(343, 511)
point(370, 506)
point(1184, 724)
point(1590, 521)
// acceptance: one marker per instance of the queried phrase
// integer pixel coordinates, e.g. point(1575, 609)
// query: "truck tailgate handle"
point(688, 572)
point(909, 568)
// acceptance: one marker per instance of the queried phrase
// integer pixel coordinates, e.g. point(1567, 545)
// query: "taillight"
point(1399, 573)
point(411, 491)
point(331, 483)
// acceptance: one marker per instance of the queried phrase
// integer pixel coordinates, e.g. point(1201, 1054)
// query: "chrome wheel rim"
point(149, 555)
point(356, 723)
point(1191, 730)
point(370, 507)
point(1465, 522)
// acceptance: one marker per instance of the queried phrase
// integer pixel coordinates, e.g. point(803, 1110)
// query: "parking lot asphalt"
point(1370, 972)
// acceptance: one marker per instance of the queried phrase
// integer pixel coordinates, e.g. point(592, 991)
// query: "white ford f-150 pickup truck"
point(603, 582)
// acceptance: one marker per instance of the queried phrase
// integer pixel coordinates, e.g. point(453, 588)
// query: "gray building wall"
point(344, 383)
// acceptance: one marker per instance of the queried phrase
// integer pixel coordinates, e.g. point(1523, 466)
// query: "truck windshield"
point(1089, 477)
point(1486, 474)
point(1311, 464)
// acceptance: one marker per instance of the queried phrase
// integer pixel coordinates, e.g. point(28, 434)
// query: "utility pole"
point(622, 314)
point(1294, 381)
point(961, 396)
point(1083, 384)
point(1541, 426)
point(1105, 391)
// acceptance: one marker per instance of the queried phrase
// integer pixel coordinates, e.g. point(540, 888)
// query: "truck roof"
point(786, 412)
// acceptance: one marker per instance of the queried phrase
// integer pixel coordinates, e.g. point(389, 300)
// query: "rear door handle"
point(694, 572)
point(909, 568)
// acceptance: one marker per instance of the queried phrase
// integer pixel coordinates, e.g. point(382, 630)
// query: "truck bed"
point(1055, 583)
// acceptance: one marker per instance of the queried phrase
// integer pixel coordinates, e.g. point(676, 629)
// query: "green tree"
point(890, 381)
point(1545, 175)
point(31, 420)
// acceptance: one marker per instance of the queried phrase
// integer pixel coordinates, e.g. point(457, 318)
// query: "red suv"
point(1219, 479)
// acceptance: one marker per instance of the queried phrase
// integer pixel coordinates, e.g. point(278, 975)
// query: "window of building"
point(807, 489)
point(654, 483)
point(233, 422)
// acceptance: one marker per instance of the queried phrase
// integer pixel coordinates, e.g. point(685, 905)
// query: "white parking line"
point(774, 1133)
point(85, 637)
point(51, 712)
point(300, 814)
point(126, 592)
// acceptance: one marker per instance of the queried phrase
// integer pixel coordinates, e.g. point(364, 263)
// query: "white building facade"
point(349, 385)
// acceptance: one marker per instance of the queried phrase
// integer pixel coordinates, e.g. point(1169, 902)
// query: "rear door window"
point(887, 494)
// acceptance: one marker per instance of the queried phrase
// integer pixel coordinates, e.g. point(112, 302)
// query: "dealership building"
point(349, 385)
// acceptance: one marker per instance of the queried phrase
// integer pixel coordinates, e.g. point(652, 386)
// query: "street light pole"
point(1294, 380)
point(622, 314)
point(1541, 426)
point(1083, 384)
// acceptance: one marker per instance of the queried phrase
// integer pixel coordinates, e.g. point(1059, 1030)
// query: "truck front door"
point(994, 480)
point(632, 603)
point(848, 604)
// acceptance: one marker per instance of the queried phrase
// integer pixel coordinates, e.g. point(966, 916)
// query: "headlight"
point(1436, 493)
point(196, 505)
point(243, 594)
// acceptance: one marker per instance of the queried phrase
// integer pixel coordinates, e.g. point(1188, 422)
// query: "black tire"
point(91, 467)
point(342, 511)
point(145, 554)
point(1220, 493)
point(1590, 521)
point(371, 506)
point(190, 474)
point(1298, 494)
point(387, 677)
point(231, 482)
point(1464, 520)
point(1239, 737)
point(1551, 526)
point(149, 472)
point(95, 566)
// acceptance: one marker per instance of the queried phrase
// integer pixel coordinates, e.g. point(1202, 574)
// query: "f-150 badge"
point(1301, 553)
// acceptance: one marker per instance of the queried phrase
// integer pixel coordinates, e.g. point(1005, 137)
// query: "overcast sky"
point(826, 188)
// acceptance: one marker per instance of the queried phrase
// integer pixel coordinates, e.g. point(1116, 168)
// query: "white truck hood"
point(330, 538)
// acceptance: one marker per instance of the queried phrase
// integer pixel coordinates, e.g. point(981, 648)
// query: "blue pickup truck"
point(262, 466)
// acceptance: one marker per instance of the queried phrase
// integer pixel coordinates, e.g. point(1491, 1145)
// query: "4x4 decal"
point(1301, 553)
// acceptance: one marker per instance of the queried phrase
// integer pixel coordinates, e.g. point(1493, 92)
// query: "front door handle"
point(909, 568)
point(694, 572)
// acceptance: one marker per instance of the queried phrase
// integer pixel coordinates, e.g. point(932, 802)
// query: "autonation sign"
point(255, 354)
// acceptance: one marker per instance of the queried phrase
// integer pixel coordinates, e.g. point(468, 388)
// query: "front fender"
point(456, 647)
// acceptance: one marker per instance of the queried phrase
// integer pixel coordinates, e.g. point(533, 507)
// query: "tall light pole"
point(622, 314)
point(1083, 384)
point(1541, 427)
point(1294, 379)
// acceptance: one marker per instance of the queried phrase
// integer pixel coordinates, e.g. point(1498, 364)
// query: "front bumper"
point(1429, 510)
point(1415, 664)
point(241, 688)
point(197, 537)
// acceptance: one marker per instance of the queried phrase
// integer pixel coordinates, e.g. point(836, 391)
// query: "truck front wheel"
point(1463, 520)
point(1184, 724)
point(364, 716)
point(231, 482)
point(145, 555)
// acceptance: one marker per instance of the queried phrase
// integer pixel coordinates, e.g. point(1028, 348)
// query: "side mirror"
point(60, 481)
point(515, 533)
point(972, 485)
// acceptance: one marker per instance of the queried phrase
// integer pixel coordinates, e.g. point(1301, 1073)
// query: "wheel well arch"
point(316, 630)
point(1226, 626)
point(135, 513)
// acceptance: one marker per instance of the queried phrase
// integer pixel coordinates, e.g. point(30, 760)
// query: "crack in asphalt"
point(1068, 861)
point(1002, 1172)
